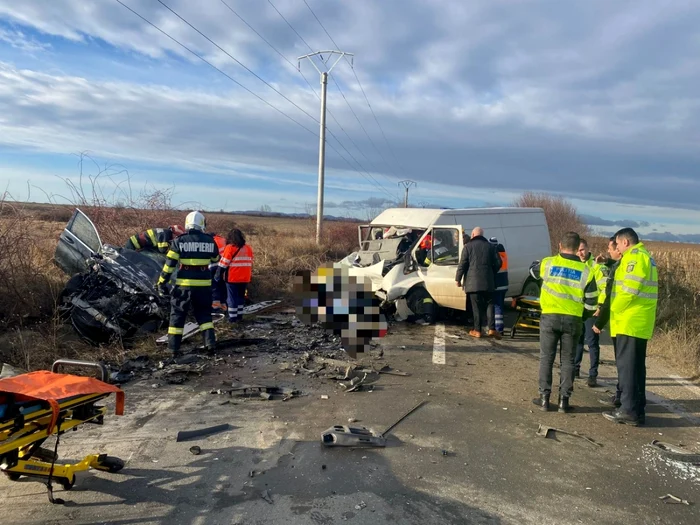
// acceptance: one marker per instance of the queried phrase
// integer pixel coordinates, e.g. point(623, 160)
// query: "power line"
point(341, 92)
point(240, 63)
point(214, 67)
point(360, 84)
point(241, 85)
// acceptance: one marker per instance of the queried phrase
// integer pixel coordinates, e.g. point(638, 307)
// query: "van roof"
point(425, 217)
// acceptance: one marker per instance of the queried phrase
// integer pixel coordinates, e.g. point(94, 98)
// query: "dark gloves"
point(163, 289)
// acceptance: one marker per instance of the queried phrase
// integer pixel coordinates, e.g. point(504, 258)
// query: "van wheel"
point(531, 288)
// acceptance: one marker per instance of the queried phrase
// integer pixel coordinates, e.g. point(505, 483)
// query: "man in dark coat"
point(478, 266)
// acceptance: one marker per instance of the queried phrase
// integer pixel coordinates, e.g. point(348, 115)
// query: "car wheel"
point(531, 288)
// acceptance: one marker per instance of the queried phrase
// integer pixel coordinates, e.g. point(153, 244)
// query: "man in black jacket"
point(478, 266)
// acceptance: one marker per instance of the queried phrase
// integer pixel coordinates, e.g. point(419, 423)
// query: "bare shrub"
point(561, 215)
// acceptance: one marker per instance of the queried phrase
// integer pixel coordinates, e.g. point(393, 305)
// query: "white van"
point(391, 257)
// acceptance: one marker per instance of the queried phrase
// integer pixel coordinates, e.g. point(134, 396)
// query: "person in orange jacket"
point(218, 288)
point(238, 259)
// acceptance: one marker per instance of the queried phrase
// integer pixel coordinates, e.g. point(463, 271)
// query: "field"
point(31, 336)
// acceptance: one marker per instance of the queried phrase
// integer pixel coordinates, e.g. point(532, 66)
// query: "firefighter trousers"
point(182, 300)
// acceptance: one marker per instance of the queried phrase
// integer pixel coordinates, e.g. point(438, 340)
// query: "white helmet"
point(195, 221)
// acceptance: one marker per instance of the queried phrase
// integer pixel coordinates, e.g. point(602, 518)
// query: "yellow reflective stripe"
point(162, 244)
point(428, 300)
point(195, 262)
point(152, 236)
point(135, 241)
point(193, 282)
point(173, 255)
point(549, 290)
point(168, 269)
point(592, 307)
point(590, 295)
point(206, 326)
point(175, 331)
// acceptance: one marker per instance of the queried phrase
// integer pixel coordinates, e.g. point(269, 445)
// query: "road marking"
point(439, 345)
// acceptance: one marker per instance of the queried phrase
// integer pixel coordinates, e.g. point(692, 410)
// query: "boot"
point(564, 405)
point(474, 333)
point(494, 334)
point(542, 402)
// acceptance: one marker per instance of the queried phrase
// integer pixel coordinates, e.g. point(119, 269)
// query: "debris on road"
point(266, 496)
point(324, 396)
point(344, 436)
point(391, 427)
point(261, 391)
point(360, 505)
point(195, 450)
point(670, 498)
point(675, 453)
point(544, 431)
point(185, 435)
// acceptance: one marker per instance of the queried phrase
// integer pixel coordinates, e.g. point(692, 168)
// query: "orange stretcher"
point(529, 312)
point(36, 405)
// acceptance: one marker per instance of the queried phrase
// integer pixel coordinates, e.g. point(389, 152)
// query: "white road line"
point(439, 345)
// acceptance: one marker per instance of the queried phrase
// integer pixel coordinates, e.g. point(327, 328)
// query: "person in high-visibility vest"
point(612, 261)
point(155, 239)
point(501, 282)
point(592, 305)
point(238, 259)
point(565, 282)
point(634, 297)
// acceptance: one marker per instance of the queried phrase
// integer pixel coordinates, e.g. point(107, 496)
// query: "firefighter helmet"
point(195, 221)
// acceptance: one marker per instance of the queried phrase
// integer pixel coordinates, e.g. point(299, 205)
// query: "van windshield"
point(385, 243)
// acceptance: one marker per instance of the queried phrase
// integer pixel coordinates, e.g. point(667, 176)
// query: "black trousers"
point(618, 393)
point(561, 332)
point(182, 300)
point(482, 308)
point(631, 355)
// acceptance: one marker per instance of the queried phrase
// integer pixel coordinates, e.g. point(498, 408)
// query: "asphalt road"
point(470, 455)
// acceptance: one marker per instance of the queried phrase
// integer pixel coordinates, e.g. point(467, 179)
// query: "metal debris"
point(184, 435)
point(675, 453)
point(195, 450)
point(544, 430)
point(670, 498)
point(344, 436)
point(266, 496)
point(264, 392)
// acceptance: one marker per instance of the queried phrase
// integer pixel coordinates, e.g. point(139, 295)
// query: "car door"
point(440, 274)
point(78, 241)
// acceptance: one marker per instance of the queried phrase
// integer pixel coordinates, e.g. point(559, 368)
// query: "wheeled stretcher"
point(529, 312)
point(36, 405)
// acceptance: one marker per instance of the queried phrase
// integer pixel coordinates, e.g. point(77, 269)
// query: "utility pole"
point(322, 135)
point(406, 184)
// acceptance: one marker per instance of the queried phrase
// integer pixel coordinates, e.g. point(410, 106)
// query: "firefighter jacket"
point(565, 282)
point(220, 244)
point(502, 275)
point(193, 252)
point(604, 314)
point(239, 262)
point(635, 293)
point(156, 238)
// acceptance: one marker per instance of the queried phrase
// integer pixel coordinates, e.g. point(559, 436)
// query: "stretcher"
point(529, 312)
point(37, 405)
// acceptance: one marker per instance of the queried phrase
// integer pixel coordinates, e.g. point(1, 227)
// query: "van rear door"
point(77, 243)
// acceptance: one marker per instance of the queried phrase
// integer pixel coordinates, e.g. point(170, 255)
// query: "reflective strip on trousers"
point(193, 282)
point(206, 326)
point(562, 295)
point(175, 331)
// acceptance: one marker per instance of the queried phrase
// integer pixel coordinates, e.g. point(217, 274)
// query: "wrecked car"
point(111, 294)
point(410, 255)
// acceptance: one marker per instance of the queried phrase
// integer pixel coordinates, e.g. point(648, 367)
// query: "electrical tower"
point(406, 184)
point(322, 135)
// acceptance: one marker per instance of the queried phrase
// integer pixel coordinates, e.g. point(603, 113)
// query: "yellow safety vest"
point(600, 275)
point(563, 285)
point(635, 293)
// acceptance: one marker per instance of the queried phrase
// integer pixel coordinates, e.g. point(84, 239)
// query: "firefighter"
point(157, 239)
point(501, 285)
point(238, 259)
point(218, 288)
point(565, 282)
point(193, 252)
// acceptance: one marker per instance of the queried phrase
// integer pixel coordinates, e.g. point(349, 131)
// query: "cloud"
point(19, 40)
point(654, 235)
point(567, 98)
point(370, 203)
point(592, 220)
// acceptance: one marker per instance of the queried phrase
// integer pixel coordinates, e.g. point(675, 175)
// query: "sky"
point(475, 101)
